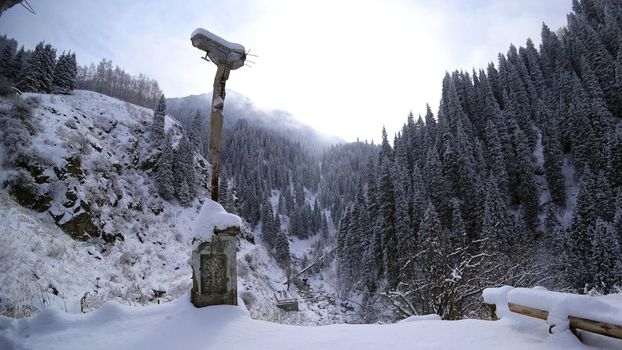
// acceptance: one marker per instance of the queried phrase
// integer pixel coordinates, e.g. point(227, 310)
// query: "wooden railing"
point(602, 328)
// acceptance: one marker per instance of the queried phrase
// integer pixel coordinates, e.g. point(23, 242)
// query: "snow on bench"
point(561, 311)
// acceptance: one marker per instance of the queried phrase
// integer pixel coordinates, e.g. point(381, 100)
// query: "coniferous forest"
point(516, 180)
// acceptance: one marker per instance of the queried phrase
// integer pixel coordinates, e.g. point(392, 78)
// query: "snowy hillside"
point(90, 161)
point(91, 227)
point(180, 325)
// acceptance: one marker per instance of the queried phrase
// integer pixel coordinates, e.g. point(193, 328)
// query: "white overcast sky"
point(344, 67)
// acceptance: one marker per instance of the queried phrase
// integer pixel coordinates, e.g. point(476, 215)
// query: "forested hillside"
point(516, 180)
point(342, 167)
point(115, 82)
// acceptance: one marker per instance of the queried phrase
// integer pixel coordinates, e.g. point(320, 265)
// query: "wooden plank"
point(492, 308)
point(528, 311)
point(602, 328)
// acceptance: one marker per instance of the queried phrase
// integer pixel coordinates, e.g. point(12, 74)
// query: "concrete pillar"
point(214, 270)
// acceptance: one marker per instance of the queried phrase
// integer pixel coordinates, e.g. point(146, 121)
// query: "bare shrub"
point(248, 298)
point(243, 270)
point(55, 252)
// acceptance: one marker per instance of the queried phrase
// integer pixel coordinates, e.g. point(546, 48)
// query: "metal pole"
point(216, 121)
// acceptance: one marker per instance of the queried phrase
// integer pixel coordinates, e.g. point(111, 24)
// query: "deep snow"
point(178, 325)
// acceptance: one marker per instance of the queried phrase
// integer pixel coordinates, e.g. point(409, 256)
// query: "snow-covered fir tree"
point(157, 128)
point(37, 75)
point(63, 79)
point(183, 172)
point(196, 130)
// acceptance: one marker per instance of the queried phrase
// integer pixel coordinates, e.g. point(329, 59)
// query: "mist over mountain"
point(239, 107)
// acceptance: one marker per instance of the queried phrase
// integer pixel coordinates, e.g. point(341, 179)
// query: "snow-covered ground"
point(178, 325)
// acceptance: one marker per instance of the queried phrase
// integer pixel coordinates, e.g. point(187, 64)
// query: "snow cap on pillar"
point(219, 50)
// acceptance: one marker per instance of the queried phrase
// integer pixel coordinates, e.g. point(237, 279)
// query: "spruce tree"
point(496, 156)
point(196, 132)
point(606, 258)
point(268, 230)
point(157, 127)
point(73, 71)
point(17, 65)
point(581, 233)
point(183, 172)
point(226, 196)
point(553, 165)
point(64, 74)
point(496, 231)
point(281, 249)
point(164, 172)
point(524, 187)
point(386, 200)
point(37, 75)
point(6, 62)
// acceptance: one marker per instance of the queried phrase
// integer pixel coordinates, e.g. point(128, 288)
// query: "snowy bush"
point(249, 299)
point(129, 258)
point(79, 143)
point(243, 271)
point(71, 124)
point(15, 136)
point(91, 301)
point(32, 101)
point(21, 304)
point(248, 257)
point(56, 252)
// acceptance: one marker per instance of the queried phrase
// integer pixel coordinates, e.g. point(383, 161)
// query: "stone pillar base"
point(214, 272)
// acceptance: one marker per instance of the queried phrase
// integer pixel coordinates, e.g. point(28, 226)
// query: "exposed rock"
point(80, 227)
point(148, 164)
point(111, 238)
point(28, 196)
point(74, 169)
point(71, 199)
point(36, 170)
point(156, 209)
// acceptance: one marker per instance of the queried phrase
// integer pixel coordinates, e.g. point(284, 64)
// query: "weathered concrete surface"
point(214, 270)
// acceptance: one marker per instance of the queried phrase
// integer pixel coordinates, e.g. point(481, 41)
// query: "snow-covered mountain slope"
point(91, 162)
point(180, 325)
point(89, 225)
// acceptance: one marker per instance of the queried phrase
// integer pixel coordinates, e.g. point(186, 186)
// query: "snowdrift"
point(179, 325)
